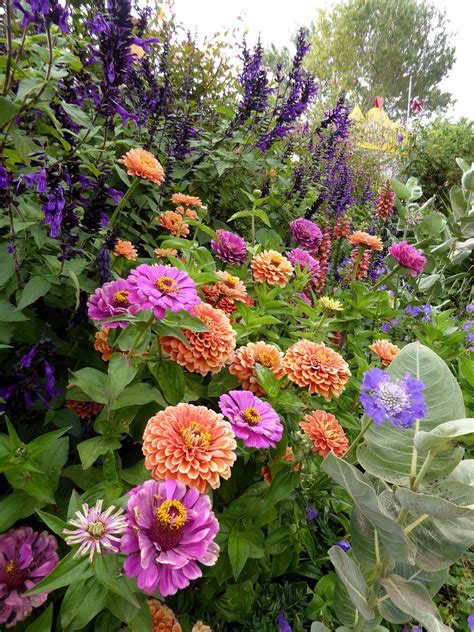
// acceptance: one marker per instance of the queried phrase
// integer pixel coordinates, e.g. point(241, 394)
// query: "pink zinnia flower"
point(408, 257)
point(229, 247)
point(170, 529)
point(253, 420)
point(26, 557)
point(306, 263)
point(96, 529)
point(112, 299)
point(306, 233)
point(160, 287)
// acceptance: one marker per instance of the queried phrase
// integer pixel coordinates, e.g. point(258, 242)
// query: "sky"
point(277, 20)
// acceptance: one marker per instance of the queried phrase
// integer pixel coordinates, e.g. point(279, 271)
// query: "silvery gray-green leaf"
point(346, 612)
point(352, 578)
point(449, 434)
point(432, 505)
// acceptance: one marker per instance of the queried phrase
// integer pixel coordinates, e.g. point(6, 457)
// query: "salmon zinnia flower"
point(201, 627)
point(231, 286)
point(161, 253)
point(325, 432)
point(245, 359)
point(272, 267)
point(361, 238)
point(385, 350)
point(125, 249)
point(206, 351)
point(101, 343)
point(143, 164)
point(163, 619)
point(174, 223)
point(191, 444)
point(84, 410)
point(320, 368)
point(186, 200)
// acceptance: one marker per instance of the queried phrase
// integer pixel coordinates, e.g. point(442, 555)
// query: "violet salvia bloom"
point(254, 82)
point(96, 530)
point(170, 529)
point(160, 287)
point(306, 233)
point(311, 513)
point(38, 179)
point(112, 299)
point(41, 12)
point(305, 261)
point(53, 210)
point(385, 398)
point(252, 420)
point(408, 257)
point(283, 625)
point(3, 177)
point(26, 557)
point(470, 622)
point(230, 247)
point(344, 545)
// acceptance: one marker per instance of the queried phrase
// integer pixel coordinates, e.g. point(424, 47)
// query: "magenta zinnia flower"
point(96, 529)
point(306, 233)
point(253, 420)
point(26, 557)
point(170, 529)
point(160, 287)
point(408, 257)
point(229, 247)
point(112, 299)
point(305, 261)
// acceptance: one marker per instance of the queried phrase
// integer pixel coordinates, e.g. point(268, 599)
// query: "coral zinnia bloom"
point(101, 343)
point(125, 249)
point(143, 164)
point(174, 223)
point(186, 200)
point(272, 267)
point(325, 432)
point(385, 350)
point(364, 239)
point(163, 619)
point(165, 252)
point(84, 410)
point(320, 368)
point(189, 443)
point(408, 257)
point(245, 359)
point(231, 286)
point(206, 351)
point(170, 529)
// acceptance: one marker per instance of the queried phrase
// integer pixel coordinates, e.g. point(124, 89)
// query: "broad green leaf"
point(91, 382)
point(9, 313)
point(121, 372)
point(77, 114)
point(413, 598)
point(91, 449)
point(183, 320)
point(317, 626)
point(170, 379)
point(15, 506)
point(81, 603)
point(68, 571)
point(56, 525)
point(431, 505)
point(449, 434)
point(238, 548)
point(283, 483)
point(43, 623)
point(139, 394)
point(401, 191)
point(346, 612)
point(8, 110)
point(267, 380)
point(107, 571)
point(352, 578)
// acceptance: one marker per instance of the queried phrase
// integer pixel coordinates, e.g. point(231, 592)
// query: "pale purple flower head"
point(112, 299)
point(304, 298)
point(229, 247)
point(170, 529)
point(408, 257)
point(311, 513)
point(253, 420)
point(470, 622)
point(385, 398)
point(306, 233)
point(305, 261)
point(26, 557)
point(283, 625)
point(96, 530)
point(344, 545)
point(160, 287)
point(470, 308)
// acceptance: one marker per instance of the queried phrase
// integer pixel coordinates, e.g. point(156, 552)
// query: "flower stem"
point(123, 201)
point(386, 277)
point(140, 334)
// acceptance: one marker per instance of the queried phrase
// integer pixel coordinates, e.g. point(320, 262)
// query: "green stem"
point(397, 288)
point(387, 277)
point(123, 201)
point(253, 229)
point(357, 440)
point(415, 523)
point(357, 261)
point(140, 334)
point(320, 324)
point(424, 468)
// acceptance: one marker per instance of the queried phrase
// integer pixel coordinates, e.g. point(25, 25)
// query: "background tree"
point(370, 47)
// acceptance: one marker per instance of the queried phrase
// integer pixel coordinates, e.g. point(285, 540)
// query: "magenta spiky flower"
point(252, 420)
point(112, 299)
point(170, 529)
point(229, 247)
point(26, 557)
point(408, 257)
point(160, 287)
point(96, 530)
point(306, 233)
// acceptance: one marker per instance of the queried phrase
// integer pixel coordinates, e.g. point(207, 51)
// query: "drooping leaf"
point(352, 578)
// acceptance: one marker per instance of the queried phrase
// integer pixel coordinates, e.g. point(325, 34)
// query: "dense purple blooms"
point(283, 625)
point(384, 398)
point(408, 257)
point(42, 13)
point(254, 82)
point(306, 233)
point(4, 179)
point(470, 622)
point(229, 247)
point(26, 557)
point(305, 261)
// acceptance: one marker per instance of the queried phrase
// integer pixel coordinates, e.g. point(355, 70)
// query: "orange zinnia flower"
point(84, 410)
point(125, 249)
point(163, 618)
point(102, 344)
point(325, 432)
point(165, 252)
point(288, 456)
point(174, 223)
point(231, 286)
point(320, 368)
point(207, 351)
point(364, 239)
point(272, 267)
point(385, 350)
point(143, 164)
point(191, 444)
point(187, 200)
point(245, 359)
point(201, 627)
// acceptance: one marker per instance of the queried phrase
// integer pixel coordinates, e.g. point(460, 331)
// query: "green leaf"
point(107, 569)
point(431, 505)
point(283, 483)
point(449, 434)
point(15, 506)
point(121, 372)
point(413, 598)
point(68, 571)
point(238, 548)
point(317, 626)
point(267, 380)
point(183, 320)
point(92, 383)
point(139, 394)
point(56, 525)
point(81, 603)
point(222, 382)
point(401, 191)
point(91, 449)
point(136, 475)
point(9, 313)
point(77, 114)
point(8, 110)
point(43, 623)
point(255, 213)
point(170, 378)
point(350, 574)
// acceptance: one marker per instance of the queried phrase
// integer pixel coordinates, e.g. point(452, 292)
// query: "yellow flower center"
point(172, 513)
point(231, 281)
point(266, 360)
point(166, 284)
point(121, 298)
point(275, 262)
point(96, 530)
point(9, 566)
point(251, 416)
point(195, 436)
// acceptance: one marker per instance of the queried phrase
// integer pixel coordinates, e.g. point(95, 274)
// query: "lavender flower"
point(3, 177)
point(344, 545)
point(470, 308)
point(306, 233)
point(470, 622)
point(229, 247)
point(41, 13)
point(112, 299)
point(283, 625)
point(254, 82)
point(385, 398)
point(307, 264)
point(311, 513)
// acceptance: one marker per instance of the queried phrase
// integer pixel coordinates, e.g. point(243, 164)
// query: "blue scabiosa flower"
point(470, 622)
point(283, 625)
point(385, 398)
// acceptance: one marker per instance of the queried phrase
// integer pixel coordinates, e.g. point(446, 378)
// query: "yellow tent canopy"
point(375, 130)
